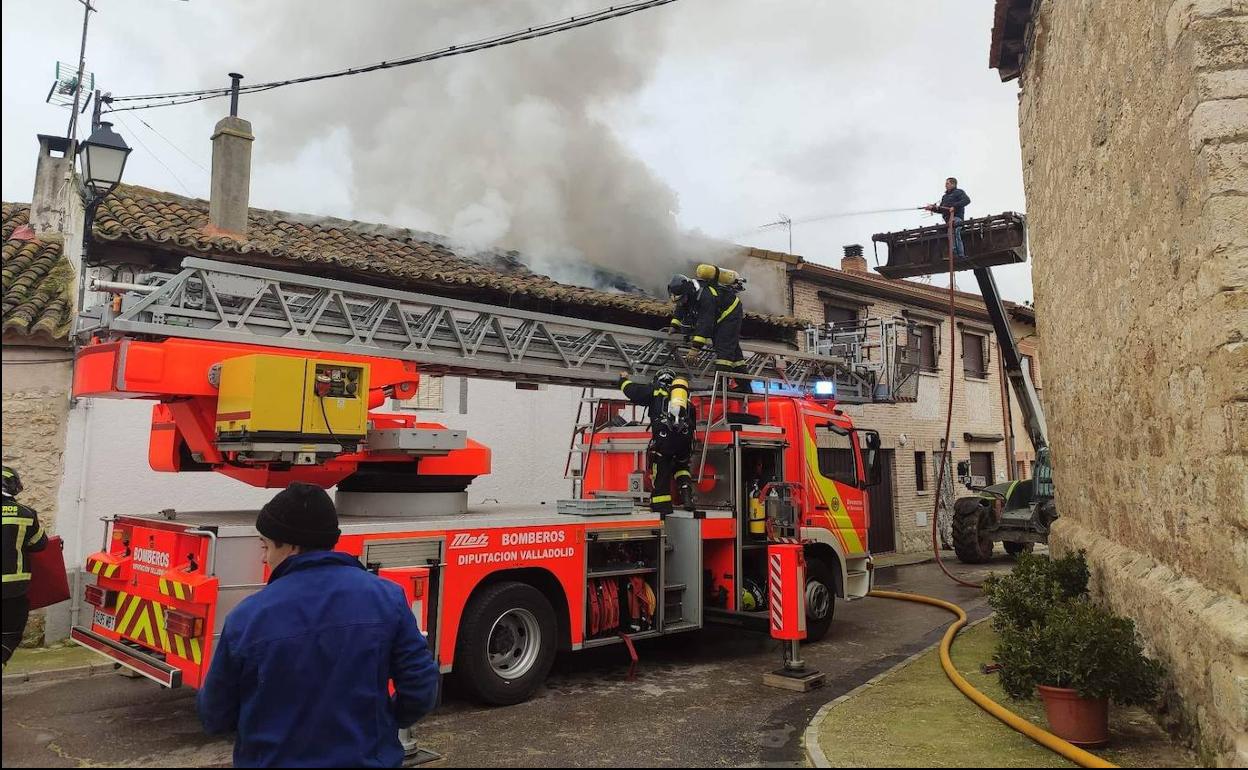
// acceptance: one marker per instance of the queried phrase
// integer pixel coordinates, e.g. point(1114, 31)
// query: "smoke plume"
point(510, 149)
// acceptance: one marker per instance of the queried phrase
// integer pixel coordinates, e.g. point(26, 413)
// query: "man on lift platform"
point(671, 436)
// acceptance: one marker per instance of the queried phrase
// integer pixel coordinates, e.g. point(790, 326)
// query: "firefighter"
point(709, 314)
point(671, 436)
point(22, 535)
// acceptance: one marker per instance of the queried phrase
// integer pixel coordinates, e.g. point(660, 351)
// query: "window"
point(981, 468)
point(973, 356)
point(927, 347)
point(835, 314)
point(836, 455)
point(920, 471)
point(428, 397)
point(1024, 471)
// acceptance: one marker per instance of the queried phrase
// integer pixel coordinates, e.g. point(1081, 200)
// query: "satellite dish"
point(66, 84)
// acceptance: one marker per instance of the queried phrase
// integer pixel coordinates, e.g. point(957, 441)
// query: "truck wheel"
point(970, 542)
point(820, 599)
point(507, 642)
point(1017, 549)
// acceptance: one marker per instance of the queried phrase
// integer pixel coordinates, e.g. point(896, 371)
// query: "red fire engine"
point(271, 377)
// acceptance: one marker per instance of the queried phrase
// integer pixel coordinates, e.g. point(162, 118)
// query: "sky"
point(662, 133)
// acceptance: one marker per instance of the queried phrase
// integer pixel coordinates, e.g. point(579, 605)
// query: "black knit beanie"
point(301, 514)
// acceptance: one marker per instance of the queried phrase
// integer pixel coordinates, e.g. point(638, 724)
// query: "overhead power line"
point(171, 98)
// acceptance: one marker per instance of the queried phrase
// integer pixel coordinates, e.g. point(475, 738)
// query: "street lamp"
point(102, 157)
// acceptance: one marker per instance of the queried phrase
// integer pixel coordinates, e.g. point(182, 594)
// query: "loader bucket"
point(988, 242)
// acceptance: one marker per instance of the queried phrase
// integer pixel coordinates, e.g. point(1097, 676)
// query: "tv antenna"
point(784, 221)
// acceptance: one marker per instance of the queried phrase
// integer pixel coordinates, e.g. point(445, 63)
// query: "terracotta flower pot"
point(1082, 721)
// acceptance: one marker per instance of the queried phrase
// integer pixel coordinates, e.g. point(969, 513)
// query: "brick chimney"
point(854, 261)
point(231, 174)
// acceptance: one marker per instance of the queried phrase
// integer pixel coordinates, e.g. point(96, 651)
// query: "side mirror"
point(871, 458)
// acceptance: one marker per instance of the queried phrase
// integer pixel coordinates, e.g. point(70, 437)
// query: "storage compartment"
point(719, 577)
point(623, 584)
point(759, 467)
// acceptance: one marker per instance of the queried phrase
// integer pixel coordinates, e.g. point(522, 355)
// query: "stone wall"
point(1134, 129)
point(908, 428)
point(35, 412)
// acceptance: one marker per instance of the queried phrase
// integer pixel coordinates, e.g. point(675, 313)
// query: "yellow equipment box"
point(287, 397)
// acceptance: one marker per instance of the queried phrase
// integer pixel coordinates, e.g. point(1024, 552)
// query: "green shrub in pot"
point(1023, 596)
point(1081, 647)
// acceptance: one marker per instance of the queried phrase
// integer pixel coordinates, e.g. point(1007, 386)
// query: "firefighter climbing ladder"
point(225, 302)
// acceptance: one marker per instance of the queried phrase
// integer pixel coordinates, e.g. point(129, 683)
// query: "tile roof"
point(906, 290)
point(37, 279)
point(420, 261)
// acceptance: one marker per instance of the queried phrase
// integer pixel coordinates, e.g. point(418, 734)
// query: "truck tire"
point(1017, 549)
point(507, 642)
point(970, 542)
point(820, 599)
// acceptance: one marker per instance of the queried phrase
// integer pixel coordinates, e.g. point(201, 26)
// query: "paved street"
point(696, 700)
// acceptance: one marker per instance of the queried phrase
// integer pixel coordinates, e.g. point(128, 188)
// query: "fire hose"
point(1012, 720)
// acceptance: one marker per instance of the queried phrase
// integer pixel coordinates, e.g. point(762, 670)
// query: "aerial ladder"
point(1017, 513)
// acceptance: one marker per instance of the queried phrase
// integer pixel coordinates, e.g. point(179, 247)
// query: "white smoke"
point(507, 149)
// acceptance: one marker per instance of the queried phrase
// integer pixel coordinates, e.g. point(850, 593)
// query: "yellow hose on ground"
point(1043, 737)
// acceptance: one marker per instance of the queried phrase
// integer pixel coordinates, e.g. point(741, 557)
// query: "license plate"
point(105, 620)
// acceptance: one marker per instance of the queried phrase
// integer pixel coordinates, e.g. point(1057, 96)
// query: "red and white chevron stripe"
point(776, 590)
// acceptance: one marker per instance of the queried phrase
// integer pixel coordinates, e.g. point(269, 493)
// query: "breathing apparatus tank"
point(721, 276)
point(758, 512)
point(678, 402)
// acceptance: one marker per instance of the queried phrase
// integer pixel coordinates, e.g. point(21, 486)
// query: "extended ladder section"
point(226, 302)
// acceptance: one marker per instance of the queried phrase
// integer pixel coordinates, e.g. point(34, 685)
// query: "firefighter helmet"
point(679, 285)
point(664, 377)
point(12, 482)
point(753, 598)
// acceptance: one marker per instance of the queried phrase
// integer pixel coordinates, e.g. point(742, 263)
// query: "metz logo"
point(154, 558)
point(464, 540)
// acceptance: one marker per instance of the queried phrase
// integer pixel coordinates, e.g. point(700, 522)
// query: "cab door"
point(837, 471)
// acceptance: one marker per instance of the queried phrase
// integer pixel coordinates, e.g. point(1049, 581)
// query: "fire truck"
point(271, 377)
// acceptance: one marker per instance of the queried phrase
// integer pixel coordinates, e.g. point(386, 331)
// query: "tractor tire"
point(507, 642)
point(970, 542)
point(820, 597)
point(1018, 549)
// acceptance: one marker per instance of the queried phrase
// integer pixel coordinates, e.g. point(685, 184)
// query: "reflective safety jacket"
point(700, 311)
point(655, 398)
point(22, 535)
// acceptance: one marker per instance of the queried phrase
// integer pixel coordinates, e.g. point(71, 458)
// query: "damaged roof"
point(37, 280)
point(1009, 31)
point(172, 226)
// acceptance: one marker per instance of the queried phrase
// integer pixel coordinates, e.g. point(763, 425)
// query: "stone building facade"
point(1133, 119)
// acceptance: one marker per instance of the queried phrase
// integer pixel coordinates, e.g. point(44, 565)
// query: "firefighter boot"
point(686, 495)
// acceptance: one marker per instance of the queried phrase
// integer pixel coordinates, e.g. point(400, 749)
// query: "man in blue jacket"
point(302, 669)
point(953, 204)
